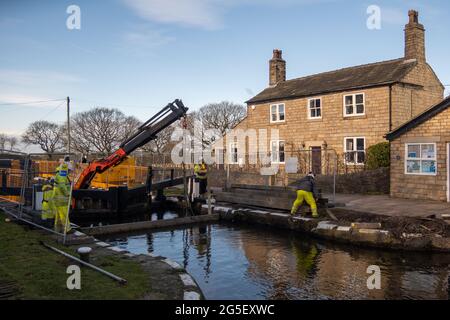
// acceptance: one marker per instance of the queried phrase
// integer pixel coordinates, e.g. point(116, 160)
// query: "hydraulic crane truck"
point(144, 134)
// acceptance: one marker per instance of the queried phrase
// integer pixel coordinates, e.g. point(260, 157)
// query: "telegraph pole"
point(68, 125)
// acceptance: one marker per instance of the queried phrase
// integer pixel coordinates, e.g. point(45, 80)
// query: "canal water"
point(231, 261)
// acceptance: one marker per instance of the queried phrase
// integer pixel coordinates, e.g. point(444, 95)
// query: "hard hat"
point(312, 175)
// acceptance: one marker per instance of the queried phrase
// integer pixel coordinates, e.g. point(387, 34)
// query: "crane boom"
point(144, 134)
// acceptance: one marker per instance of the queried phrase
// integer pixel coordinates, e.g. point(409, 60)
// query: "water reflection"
point(237, 262)
point(156, 214)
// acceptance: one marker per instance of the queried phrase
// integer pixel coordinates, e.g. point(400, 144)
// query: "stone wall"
point(299, 132)
point(421, 90)
point(363, 182)
point(433, 187)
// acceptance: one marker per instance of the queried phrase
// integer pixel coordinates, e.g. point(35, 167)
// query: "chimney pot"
point(277, 68)
point(413, 16)
point(277, 54)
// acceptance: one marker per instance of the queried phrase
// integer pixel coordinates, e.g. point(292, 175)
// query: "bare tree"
point(12, 141)
point(217, 119)
point(3, 140)
point(101, 130)
point(161, 142)
point(221, 116)
point(47, 135)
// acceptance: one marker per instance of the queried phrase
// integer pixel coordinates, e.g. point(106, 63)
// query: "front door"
point(316, 160)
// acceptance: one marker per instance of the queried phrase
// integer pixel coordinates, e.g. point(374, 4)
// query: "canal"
point(247, 262)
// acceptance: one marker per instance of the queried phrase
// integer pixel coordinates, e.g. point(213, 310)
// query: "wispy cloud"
point(206, 14)
point(197, 13)
point(27, 100)
point(144, 40)
point(32, 78)
point(22, 87)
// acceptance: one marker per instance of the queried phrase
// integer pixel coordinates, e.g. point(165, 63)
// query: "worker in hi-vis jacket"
point(61, 194)
point(306, 191)
point(48, 212)
point(201, 176)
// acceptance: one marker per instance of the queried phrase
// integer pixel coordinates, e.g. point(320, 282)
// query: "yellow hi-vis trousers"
point(61, 202)
point(309, 198)
point(48, 211)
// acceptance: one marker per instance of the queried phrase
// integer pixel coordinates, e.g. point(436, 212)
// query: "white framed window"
point(354, 105)
point(277, 113)
point(233, 155)
point(315, 108)
point(277, 151)
point(355, 150)
point(421, 159)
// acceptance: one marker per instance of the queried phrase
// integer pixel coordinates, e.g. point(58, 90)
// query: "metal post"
point(334, 177)
point(22, 200)
point(209, 202)
point(67, 222)
point(227, 186)
point(68, 124)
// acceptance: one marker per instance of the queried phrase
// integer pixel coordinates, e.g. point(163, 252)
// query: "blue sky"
point(138, 55)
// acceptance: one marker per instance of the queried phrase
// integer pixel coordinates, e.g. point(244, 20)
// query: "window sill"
point(357, 116)
point(315, 119)
point(421, 174)
point(277, 122)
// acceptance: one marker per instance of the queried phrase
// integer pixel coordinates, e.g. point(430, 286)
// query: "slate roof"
point(419, 119)
point(363, 76)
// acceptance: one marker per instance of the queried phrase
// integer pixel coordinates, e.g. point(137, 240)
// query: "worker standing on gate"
point(306, 191)
point(61, 194)
point(48, 213)
point(201, 176)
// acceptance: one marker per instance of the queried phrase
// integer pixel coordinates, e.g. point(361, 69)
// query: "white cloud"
point(207, 14)
point(22, 87)
point(31, 78)
point(197, 13)
point(147, 38)
point(142, 41)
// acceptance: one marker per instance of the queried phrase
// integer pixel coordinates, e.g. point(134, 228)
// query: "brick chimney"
point(277, 68)
point(415, 38)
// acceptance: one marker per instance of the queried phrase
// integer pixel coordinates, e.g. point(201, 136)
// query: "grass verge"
point(41, 274)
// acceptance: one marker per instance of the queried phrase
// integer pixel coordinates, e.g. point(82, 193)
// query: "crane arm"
point(144, 134)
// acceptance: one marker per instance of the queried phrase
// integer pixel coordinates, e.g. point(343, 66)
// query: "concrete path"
point(385, 205)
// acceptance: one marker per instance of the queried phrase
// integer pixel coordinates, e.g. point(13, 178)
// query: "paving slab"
point(385, 205)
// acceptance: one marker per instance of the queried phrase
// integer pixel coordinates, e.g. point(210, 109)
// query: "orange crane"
point(144, 134)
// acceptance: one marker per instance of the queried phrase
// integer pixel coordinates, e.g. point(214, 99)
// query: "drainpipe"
point(390, 108)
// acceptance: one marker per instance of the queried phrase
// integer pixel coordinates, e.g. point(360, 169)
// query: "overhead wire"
point(51, 111)
point(29, 102)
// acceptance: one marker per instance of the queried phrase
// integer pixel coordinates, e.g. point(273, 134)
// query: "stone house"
point(344, 111)
point(420, 155)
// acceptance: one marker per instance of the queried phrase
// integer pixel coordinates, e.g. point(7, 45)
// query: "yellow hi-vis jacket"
point(62, 186)
point(47, 208)
point(61, 194)
point(200, 171)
